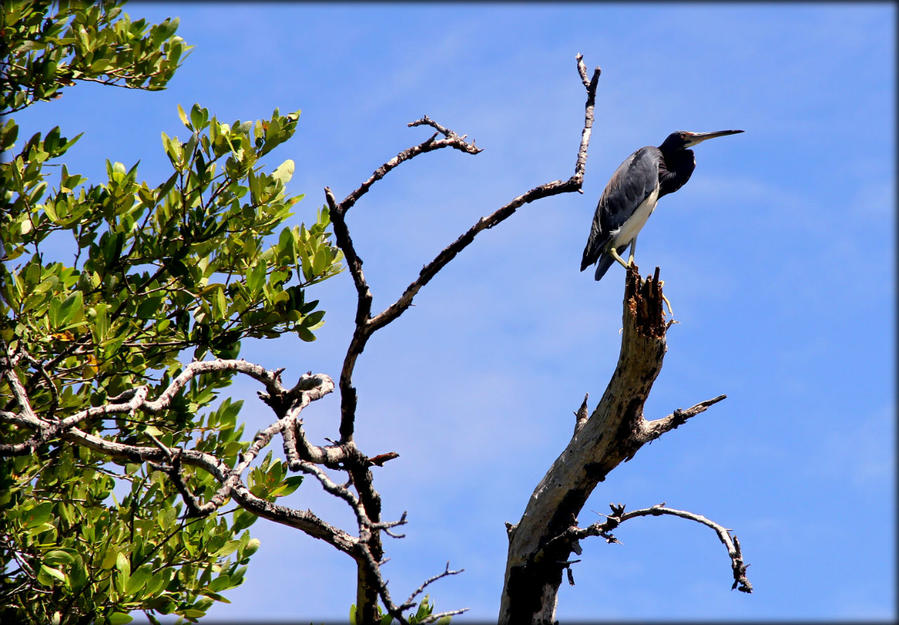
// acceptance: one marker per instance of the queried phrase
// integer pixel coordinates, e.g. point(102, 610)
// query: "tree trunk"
point(612, 434)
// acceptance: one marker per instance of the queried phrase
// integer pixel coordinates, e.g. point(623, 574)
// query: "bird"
point(631, 195)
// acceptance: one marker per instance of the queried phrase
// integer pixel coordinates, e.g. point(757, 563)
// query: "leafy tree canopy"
point(160, 274)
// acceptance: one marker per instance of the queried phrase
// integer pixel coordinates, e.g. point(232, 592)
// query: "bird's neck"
point(675, 170)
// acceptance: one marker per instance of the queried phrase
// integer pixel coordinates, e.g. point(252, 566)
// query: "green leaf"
point(109, 558)
point(149, 307)
point(137, 581)
point(38, 515)
point(220, 304)
point(242, 520)
point(183, 117)
point(321, 260)
point(256, 277)
point(305, 334)
point(122, 564)
point(284, 172)
point(69, 308)
point(314, 320)
point(119, 618)
point(222, 582)
point(46, 572)
point(285, 243)
point(199, 117)
point(57, 555)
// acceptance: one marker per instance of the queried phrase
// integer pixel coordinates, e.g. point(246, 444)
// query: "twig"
point(410, 602)
point(452, 140)
point(651, 430)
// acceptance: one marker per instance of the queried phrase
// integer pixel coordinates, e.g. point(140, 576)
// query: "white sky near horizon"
point(778, 257)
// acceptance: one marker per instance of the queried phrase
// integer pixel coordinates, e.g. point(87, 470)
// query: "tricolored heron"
point(631, 195)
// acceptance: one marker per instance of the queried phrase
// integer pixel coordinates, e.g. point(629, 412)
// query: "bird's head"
point(683, 139)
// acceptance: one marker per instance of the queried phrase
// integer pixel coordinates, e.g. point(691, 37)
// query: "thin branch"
point(651, 430)
point(619, 516)
point(447, 572)
point(433, 618)
point(386, 526)
point(354, 263)
point(452, 140)
point(137, 398)
point(338, 491)
point(357, 464)
point(556, 187)
point(365, 324)
point(589, 107)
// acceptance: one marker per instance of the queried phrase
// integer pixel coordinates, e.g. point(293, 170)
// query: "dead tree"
point(541, 543)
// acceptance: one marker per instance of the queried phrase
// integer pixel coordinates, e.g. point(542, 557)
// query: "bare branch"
point(365, 324)
point(380, 459)
point(433, 618)
point(354, 263)
point(410, 602)
point(386, 526)
point(613, 434)
point(336, 490)
point(195, 508)
point(651, 430)
point(545, 190)
point(137, 398)
point(297, 447)
point(372, 566)
point(618, 516)
point(589, 107)
point(452, 140)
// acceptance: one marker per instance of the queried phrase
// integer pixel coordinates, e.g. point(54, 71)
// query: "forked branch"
point(366, 324)
point(370, 585)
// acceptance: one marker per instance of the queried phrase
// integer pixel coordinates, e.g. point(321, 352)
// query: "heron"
point(632, 193)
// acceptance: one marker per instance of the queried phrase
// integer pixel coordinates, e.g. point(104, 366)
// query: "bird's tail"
point(602, 266)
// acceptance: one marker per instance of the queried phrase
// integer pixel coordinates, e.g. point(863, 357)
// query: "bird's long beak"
point(699, 137)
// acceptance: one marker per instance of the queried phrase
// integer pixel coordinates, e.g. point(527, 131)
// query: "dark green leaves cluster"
point(107, 286)
point(91, 558)
point(48, 45)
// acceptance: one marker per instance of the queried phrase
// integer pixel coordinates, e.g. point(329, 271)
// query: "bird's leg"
point(630, 257)
point(614, 253)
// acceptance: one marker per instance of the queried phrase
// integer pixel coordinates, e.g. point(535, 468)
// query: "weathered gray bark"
point(541, 542)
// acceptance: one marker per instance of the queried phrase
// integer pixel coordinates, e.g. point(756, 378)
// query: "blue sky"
point(778, 257)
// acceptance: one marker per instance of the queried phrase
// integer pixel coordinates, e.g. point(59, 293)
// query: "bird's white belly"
point(631, 228)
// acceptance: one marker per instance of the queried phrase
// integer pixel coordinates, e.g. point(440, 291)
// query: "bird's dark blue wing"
point(634, 180)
